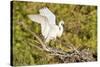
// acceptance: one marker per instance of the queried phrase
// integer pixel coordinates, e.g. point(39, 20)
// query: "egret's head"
point(61, 23)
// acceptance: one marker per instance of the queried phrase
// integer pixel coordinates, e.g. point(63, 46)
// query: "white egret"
point(47, 20)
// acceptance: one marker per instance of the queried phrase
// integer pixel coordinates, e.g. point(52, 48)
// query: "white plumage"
point(47, 19)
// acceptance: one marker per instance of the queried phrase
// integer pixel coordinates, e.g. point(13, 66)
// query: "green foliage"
point(79, 29)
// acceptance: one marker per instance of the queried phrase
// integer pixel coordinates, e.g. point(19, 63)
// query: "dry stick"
point(36, 46)
point(31, 44)
point(72, 47)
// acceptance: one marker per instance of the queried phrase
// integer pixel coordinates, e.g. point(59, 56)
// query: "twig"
point(36, 46)
point(71, 45)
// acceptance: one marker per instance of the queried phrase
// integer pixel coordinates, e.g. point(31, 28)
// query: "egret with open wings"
point(47, 20)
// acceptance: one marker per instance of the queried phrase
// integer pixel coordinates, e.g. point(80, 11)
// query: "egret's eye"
point(62, 24)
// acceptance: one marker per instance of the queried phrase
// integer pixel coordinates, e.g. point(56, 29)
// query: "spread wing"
point(47, 13)
point(38, 18)
point(43, 21)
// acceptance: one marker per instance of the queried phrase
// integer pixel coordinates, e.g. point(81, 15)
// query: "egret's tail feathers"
point(38, 18)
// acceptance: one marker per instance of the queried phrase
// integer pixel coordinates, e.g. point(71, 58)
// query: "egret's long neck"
point(60, 29)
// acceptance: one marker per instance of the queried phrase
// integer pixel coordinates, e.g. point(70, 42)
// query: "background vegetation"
point(80, 29)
